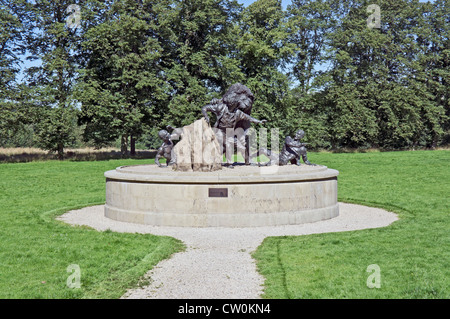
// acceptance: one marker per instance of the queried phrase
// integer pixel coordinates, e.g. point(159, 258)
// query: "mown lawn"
point(413, 254)
point(36, 250)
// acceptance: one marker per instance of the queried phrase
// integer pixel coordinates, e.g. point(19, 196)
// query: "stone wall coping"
point(237, 175)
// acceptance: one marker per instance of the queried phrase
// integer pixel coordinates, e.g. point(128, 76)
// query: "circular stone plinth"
point(244, 196)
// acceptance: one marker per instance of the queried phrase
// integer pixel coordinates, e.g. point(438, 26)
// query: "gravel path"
point(217, 263)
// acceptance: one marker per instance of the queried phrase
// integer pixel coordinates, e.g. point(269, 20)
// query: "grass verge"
point(413, 253)
point(36, 250)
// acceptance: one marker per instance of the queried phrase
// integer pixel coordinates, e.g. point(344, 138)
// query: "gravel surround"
point(217, 262)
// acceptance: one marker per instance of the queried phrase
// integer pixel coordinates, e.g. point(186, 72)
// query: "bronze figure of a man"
point(233, 112)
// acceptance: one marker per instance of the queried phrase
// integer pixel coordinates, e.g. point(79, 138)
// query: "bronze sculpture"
point(292, 150)
point(232, 123)
point(233, 112)
point(165, 150)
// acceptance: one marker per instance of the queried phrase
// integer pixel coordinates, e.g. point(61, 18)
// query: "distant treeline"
point(350, 73)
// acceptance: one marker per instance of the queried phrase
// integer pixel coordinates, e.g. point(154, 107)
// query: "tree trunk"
point(132, 145)
point(60, 151)
point(124, 145)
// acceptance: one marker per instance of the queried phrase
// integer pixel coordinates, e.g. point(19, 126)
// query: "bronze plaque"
point(218, 192)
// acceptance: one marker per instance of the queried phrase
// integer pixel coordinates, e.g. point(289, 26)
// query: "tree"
point(121, 88)
point(309, 21)
point(52, 42)
point(433, 68)
point(134, 66)
point(14, 21)
point(200, 55)
point(11, 44)
point(263, 53)
point(375, 96)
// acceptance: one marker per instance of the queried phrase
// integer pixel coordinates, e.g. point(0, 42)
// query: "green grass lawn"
point(35, 249)
point(413, 254)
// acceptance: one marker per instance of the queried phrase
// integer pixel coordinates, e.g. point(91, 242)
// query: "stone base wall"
point(232, 199)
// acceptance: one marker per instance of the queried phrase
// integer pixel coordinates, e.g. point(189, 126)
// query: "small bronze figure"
point(292, 150)
point(165, 150)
